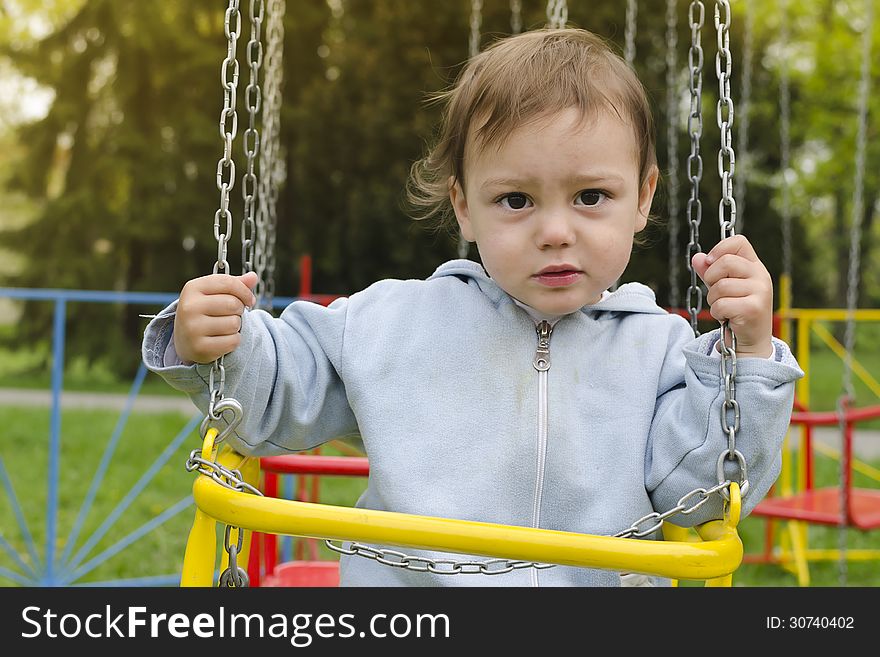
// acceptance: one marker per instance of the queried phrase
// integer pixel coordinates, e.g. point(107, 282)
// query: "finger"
point(739, 311)
point(250, 279)
point(735, 245)
point(224, 284)
point(730, 288)
point(220, 305)
point(215, 327)
point(698, 262)
point(729, 266)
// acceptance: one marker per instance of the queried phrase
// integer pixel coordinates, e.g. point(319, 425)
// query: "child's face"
point(554, 208)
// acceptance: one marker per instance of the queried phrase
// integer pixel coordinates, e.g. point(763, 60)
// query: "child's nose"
point(555, 230)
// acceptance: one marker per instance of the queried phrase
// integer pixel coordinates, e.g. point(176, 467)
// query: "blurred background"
point(109, 145)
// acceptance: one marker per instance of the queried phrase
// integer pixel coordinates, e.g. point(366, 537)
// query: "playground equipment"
point(227, 490)
point(802, 504)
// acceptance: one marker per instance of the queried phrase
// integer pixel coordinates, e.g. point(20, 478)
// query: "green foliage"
point(121, 172)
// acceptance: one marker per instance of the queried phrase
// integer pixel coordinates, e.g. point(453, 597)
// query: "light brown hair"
point(520, 79)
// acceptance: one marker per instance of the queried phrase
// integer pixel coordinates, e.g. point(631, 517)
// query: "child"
point(546, 159)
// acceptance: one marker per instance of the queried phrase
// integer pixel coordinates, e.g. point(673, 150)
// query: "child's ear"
point(646, 198)
point(460, 207)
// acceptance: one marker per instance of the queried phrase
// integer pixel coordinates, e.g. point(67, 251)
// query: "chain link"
point(852, 290)
point(745, 108)
point(271, 164)
point(557, 14)
point(785, 138)
point(249, 190)
point(629, 48)
point(726, 154)
point(672, 118)
point(476, 22)
point(228, 131)
point(657, 519)
point(695, 161)
point(234, 575)
point(436, 566)
point(727, 222)
point(224, 476)
point(686, 505)
point(515, 16)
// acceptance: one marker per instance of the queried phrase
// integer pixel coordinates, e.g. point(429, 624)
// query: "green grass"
point(24, 451)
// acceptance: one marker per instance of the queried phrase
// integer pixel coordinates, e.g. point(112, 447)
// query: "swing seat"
point(714, 559)
point(304, 574)
point(822, 506)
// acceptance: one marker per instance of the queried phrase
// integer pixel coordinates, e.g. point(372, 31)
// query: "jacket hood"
point(629, 297)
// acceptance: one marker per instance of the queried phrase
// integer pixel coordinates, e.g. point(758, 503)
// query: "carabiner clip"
point(226, 404)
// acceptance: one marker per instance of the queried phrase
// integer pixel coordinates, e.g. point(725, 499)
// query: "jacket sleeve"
point(285, 373)
point(687, 436)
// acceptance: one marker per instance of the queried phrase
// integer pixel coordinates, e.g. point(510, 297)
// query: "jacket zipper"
point(541, 363)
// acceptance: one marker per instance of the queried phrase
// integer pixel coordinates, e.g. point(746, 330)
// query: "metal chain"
point(234, 575)
point(473, 50)
point(515, 16)
point(629, 48)
point(476, 23)
point(557, 13)
point(785, 138)
point(685, 506)
point(249, 246)
point(852, 291)
point(217, 405)
point(657, 519)
point(672, 146)
point(272, 170)
point(696, 14)
point(727, 222)
point(745, 106)
point(726, 155)
point(435, 566)
point(228, 131)
point(224, 476)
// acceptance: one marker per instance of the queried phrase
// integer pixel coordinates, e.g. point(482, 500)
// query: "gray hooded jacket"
point(438, 377)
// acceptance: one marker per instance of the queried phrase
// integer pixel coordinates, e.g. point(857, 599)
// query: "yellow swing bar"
point(717, 556)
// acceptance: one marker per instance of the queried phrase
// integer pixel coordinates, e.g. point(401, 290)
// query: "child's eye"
point(514, 201)
point(591, 197)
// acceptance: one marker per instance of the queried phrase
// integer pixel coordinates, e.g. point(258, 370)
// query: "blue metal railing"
point(64, 570)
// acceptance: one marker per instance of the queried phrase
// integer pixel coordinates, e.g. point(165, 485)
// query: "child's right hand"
point(209, 316)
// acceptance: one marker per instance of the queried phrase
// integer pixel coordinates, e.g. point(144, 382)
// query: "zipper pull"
point(542, 353)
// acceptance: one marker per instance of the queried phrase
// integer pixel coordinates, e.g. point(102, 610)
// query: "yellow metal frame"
point(714, 559)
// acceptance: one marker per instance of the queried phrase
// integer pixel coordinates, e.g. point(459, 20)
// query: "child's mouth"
point(559, 278)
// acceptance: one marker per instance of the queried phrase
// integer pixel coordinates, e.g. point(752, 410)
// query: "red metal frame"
point(263, 566)
point(822, 506)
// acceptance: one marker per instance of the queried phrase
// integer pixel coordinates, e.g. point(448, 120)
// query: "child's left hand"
point(741, 292)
